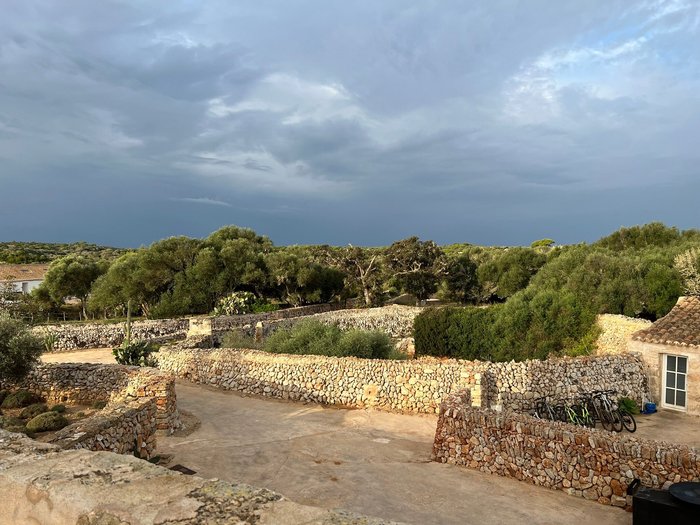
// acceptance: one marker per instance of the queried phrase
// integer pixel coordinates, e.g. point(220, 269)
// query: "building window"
point(675, 381)
point(25, 287)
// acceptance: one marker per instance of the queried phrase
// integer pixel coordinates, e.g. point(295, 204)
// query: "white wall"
point(25, 286)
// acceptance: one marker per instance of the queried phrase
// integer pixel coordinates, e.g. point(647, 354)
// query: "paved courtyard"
point(370, 462)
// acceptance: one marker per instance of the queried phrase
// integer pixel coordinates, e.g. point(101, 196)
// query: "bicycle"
point(605, 410)
point(628, 421)
point(543, 410)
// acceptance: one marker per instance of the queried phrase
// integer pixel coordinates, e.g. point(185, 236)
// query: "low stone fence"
point(85, 383)
point(400, 385)
point(594, 464)
point(99, 335)
point(394, 320)
point(40, 483)
point(225, 323)
point(124, 428)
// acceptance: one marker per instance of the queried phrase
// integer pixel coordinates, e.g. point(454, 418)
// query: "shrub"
point(12, 424)
point(58, 408)
point(236, 339)
point(99, 405)
point(628, 405)
point(235, 303)
point(33, 411)
point(47, 421)
point(315, 338)
point(20, 399)
point(3, 395)
point(366, 344)
point(136, 354)
point(19, 349)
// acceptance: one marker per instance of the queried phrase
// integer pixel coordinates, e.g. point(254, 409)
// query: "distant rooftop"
point(22, 272)
point(681, 326)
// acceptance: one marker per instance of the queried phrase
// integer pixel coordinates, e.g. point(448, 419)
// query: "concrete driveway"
point(369, 462)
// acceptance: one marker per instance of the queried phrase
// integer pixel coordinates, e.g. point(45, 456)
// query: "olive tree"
point(19, 349)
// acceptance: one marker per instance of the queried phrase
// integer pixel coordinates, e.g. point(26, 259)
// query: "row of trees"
point(637, 272)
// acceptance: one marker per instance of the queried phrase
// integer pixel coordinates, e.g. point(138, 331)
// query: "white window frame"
point(663, 382)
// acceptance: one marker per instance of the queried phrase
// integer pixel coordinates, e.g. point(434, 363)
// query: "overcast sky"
point(360, 122)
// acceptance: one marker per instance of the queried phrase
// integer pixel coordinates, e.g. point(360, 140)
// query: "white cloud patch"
point(260, 171)
point(295, 100)
point(202, 200)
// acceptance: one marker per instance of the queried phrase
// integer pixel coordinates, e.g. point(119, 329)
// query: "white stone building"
point(671, 351)
point(22, 277)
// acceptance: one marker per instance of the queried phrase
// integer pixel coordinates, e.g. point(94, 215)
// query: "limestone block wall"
point(99, 335)
point(40, 483)
point(652, 354)
point(593, 464)
point(403, 385)
point(85, 383)
point(123, 428)
point(616, 333)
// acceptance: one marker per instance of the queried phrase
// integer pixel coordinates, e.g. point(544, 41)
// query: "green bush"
point(3, 395)
point(136, 354)
point(47, 421)
point(236, 339)
point(19, 349)
point(628, 405)
point(12, 424)
point(315, 338)
point(20, 399)
point(58, 408)
point(99, 405)
point(33, 411)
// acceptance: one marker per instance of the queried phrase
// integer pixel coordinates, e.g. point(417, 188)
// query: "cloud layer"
point(361, 122)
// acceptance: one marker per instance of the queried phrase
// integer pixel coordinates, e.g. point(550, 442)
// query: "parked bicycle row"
point(590, 408)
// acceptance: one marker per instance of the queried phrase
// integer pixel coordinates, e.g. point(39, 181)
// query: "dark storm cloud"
point(363, 122)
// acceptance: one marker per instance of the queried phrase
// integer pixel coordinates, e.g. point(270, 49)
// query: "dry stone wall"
point(85, 383)
point(594, 464)
point(616, 333)
point(399, 385)
point(225, 323)
point(123, 428)
point(96, 335)
point(394, 320)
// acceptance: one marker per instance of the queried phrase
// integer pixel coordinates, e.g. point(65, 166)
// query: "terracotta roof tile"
point(22, 272)
point(681, 326)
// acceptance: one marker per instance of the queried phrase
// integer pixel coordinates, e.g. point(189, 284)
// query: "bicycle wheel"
point(606, 420)
point(616, 420)
point(541, 410)
point(628, 421)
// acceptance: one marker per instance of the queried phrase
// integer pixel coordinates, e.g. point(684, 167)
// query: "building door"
point(675, 385)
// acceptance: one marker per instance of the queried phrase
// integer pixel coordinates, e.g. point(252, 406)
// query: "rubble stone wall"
point(225, 323)
point(85, 383)
point(99, 335)
point(594, 464)
point(616, 333)
point(399, 385)
point(394, 320)
point(123, 428)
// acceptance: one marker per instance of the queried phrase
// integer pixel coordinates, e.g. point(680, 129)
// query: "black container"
point(659, 507)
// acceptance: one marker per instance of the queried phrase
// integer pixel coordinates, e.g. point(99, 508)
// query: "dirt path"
point(369, 462)
point(366, 461)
